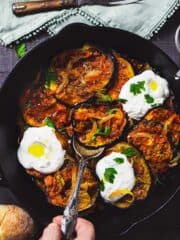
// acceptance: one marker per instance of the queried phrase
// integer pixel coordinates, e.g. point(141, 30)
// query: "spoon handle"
point(71, 211)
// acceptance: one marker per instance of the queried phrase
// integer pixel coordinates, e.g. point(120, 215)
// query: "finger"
point(84, 230)
point(57, 220)
point(51, 232)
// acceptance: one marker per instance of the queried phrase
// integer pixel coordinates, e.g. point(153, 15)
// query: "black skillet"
point(111, 222)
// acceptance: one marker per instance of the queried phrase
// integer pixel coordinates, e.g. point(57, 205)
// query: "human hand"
point(84, 230)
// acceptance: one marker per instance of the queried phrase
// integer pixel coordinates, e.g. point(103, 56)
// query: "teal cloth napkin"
point(144, 19)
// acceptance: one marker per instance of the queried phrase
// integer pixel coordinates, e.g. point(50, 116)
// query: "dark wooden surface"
point(165, 224)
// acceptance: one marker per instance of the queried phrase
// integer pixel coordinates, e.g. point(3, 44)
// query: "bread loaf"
point(15, 223)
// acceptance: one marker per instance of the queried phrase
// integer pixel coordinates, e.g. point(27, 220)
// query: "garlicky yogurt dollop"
point(115, 173)
point(143, 92)
point(41, 150)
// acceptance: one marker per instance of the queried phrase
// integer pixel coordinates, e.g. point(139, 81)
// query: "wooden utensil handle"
point(24, 8)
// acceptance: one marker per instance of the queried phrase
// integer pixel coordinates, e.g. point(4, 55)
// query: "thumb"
point(51, 232)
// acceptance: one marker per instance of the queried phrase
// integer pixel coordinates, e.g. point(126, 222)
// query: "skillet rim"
point(130, 35)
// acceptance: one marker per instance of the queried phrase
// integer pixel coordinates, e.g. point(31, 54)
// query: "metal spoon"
point(71, 211)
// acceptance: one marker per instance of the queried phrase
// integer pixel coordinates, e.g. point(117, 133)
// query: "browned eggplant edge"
point(110, 105)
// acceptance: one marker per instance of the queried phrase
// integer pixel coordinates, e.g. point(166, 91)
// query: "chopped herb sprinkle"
point(137, 88)
point(109, 174)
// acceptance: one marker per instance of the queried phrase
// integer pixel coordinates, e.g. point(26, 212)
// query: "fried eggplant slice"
point(138, 66)
point(142, 175)
point(99, 124)
point(81, 73)
point(59, 187)
point(124, 73)
point(150, 140)
point(38, 106)
point(170, 122)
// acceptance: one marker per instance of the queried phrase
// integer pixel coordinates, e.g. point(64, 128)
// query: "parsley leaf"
point(107, 131)
point(103, 131)
point(122, 100)
point(148, 98)
point(62, 129)
point(155, 105)
point(111, 110)
point(27, 104)
point(106, 97)
point(109, 174)
point(129, 152)
point(21, 50)
point(49, 122)
point(101, 186)
point(137, 88)
point(26, 126)
point(119, 160)
point(93, 138)
point(50, 77)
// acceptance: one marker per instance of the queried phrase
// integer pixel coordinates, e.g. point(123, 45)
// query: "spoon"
point(71, 211)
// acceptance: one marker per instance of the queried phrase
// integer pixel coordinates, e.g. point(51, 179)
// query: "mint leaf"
point(101, 186)
point(122, 100)
point(21, 50)
point(137, 88)
point(119, 160)
point(109, 174)
point(148, 98)
point(50, 77)
point(129, 152)
point(49, 122)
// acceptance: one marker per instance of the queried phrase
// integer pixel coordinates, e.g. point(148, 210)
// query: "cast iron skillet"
point(110, 222)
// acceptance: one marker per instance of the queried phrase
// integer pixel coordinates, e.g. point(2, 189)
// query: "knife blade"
point(24, 8)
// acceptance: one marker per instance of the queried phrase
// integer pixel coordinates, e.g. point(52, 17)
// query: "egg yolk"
point(36, 149)
point(153, 85)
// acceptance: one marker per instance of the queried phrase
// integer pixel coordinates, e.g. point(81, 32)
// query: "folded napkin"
point(144, 19)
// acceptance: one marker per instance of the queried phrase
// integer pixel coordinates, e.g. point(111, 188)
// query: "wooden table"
point(164, 225)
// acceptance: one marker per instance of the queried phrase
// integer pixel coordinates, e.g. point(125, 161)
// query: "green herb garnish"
point(148, 98)
point(107, 131)
point(26, 126)
point(111, 110)
point(119, 160)
point(107, 98)
point(27, 104)
point(122, 100)
point(93, 138)
point(137, 88)
point(21, 50)
point(129, 152)
point(49, 123)
point(103, 131)
point(62, 129)
point(109, 174)
point(155, 105)
point(50, 77)
point(101, 186)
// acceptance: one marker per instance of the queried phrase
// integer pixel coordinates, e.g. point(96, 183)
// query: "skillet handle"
point(3, 181)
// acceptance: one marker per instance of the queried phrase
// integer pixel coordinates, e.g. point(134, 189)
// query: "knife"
point(24, 8)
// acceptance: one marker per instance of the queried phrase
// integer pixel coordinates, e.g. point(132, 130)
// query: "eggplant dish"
point(157, 136)
point(99, 124)
point(102, 99)
point(80, 73)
